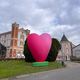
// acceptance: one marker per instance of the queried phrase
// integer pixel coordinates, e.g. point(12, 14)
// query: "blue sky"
point(52, 16)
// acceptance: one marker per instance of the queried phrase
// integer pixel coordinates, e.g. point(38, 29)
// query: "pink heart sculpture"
point(39, 46)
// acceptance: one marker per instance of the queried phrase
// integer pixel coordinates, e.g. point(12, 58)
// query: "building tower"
point(65, 48)
point(14, 39)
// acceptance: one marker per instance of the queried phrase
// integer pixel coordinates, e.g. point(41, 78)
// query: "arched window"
point(67, 50)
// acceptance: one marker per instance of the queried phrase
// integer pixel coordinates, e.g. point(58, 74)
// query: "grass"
point(18, 67)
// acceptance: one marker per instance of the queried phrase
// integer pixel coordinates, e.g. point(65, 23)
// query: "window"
point(21, 43)
point(67, 50)
point(15, 42)
point(22, 36)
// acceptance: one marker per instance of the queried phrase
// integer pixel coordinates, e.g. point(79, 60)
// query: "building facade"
point(76, 51)
point(66, 49)
point(14, 41)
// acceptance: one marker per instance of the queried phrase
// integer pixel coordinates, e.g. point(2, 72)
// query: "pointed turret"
point(64, 38)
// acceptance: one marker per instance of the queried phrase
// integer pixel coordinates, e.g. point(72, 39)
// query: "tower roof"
point(64, 38)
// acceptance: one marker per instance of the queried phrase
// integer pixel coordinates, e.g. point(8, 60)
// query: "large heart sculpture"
point(39, 46)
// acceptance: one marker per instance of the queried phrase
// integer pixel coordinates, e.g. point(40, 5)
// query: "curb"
point(27, 75)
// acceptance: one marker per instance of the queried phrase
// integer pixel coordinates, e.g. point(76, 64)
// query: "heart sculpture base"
point(45, 63)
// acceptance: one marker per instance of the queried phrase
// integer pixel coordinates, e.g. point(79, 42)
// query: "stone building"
point(76, 51)
point(66, 49)
point(14, 41)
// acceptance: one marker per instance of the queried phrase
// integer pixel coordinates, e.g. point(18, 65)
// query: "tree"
point(27, 53)
point(3, 50)
point(55, 47)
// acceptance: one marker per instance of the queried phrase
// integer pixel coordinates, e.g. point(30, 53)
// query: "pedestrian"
point(63, 64)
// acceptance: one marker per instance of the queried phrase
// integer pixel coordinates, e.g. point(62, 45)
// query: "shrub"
point(55, 47)
point(27, 53)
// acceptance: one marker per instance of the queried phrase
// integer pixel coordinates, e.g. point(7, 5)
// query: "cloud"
point(3, 4)
point(53, 16)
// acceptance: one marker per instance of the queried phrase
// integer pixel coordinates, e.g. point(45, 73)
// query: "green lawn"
point(17, 67)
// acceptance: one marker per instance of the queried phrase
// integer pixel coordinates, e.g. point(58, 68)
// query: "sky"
point(56, 17)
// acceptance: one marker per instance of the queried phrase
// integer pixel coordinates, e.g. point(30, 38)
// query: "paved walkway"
point(71, 72)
